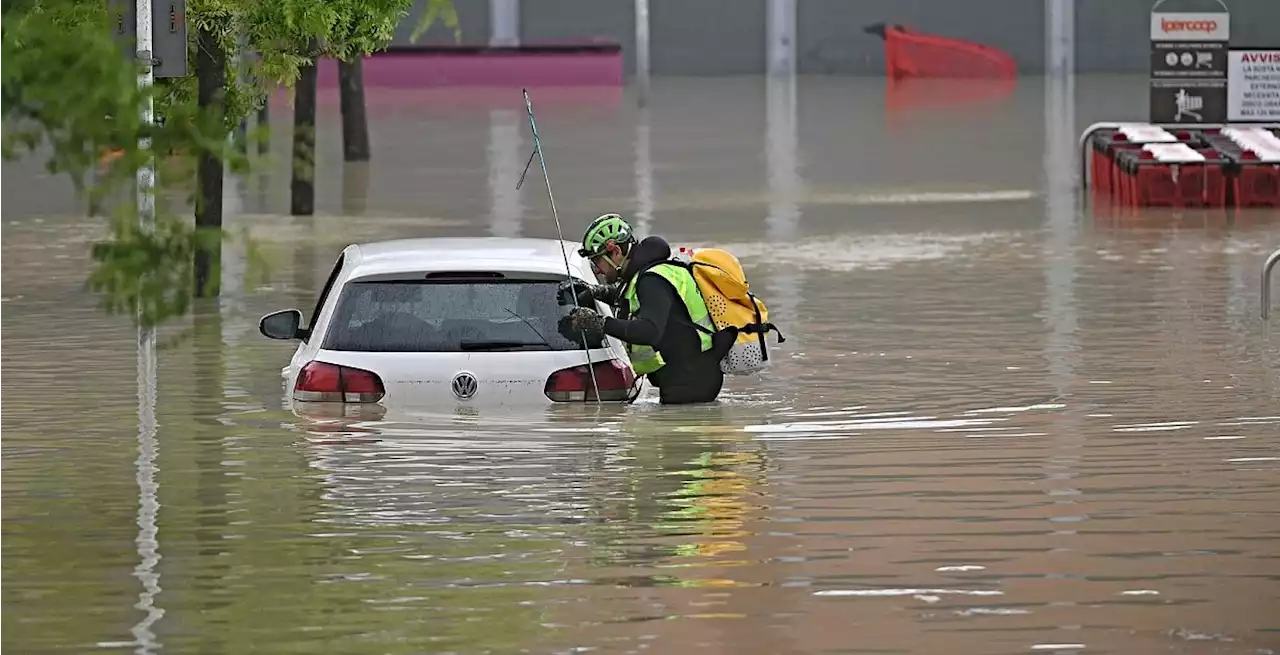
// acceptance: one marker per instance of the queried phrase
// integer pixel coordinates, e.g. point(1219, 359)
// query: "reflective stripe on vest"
point(644, 359)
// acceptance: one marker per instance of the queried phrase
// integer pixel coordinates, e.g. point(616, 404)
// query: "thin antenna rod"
point(568, 272)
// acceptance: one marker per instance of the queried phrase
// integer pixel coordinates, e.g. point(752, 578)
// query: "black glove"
point(587, 294)
point(580, 321)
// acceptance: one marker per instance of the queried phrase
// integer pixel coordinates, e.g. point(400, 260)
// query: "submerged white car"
point(453, 320)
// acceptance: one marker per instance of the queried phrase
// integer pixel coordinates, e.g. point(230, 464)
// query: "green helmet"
point(606, 228)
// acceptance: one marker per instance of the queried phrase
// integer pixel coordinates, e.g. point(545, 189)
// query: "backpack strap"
point(702, 328)
point(764, 349)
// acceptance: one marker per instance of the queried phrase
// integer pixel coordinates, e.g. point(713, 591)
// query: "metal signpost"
point(504, 23)
point(168, 42)
point(642, 51)
point(155, 34)
point(1188, 83)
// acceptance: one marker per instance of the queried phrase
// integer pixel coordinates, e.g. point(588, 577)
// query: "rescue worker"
point(659, 311)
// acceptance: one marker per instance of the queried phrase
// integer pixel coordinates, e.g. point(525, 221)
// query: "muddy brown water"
point(1003, 421)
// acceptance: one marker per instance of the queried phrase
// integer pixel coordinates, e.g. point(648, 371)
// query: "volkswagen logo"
point(464, 385)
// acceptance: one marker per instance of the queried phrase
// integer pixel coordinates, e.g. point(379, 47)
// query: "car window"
point(448, 316)
point(324, 293)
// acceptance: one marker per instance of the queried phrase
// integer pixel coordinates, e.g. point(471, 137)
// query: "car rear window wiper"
point(530, 325)
point(501, 344)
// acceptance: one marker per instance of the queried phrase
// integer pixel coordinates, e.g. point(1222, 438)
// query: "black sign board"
point(168, 33)
point(1188, 101)
point(1180, 60)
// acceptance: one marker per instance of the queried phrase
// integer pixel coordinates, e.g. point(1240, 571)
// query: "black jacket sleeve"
point(588, 294)
point(657, 297)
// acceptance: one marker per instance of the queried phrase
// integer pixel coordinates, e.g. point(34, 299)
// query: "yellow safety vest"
point(644, 359)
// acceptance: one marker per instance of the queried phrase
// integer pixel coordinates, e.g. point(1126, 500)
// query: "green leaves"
point(70, 93)
point(67, 85)
point(342, 29)
point(148, 272)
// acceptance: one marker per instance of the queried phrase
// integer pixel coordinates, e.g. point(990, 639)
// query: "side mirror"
point(285, 324)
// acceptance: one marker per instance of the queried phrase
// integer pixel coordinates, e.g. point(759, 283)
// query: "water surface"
point(1002, 422)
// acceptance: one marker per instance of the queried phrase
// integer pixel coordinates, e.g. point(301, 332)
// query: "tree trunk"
point(355, 123)
point(303, 184)
point(264, 121)
point(211, 78)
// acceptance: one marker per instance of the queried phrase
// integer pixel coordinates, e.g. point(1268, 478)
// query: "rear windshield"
point(448, 316)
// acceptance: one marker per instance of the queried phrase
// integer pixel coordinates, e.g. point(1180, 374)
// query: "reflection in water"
point(148, 497)
point(698, 501)
point(785, 189)
point(1061, 210)
point(1005, 430)
point(643, 174)
point(304, 265)
point(355, 187)
point(211, 466)
point(1062, 469)
point(506, 161)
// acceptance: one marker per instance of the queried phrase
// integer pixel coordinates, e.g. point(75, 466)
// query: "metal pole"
point(780, 37)
point(1061, 311)
point(786, 186)
point(146, 174)
point(642, 50)
point(642, 169)
point(504, 22)
point(506, 209)
point(148, 503)
point(1266, 283)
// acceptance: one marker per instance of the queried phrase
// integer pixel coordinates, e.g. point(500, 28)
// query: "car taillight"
point(325, 382)
point(614, 379)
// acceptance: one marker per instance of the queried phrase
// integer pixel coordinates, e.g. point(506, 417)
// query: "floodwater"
point(1003, 422)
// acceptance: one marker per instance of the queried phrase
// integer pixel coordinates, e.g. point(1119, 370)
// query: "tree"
point(70, 95)
point(214, 25)
point(351, 30)
point(355, 123)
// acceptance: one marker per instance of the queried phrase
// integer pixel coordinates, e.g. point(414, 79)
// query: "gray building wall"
point(554, 20)
point(473, 19)
point(1112, 35)
point(727, 37)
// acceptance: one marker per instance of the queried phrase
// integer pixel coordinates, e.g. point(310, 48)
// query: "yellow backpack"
point(733, 308)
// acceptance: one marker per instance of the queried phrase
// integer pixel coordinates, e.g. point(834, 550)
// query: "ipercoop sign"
point(1190, 26)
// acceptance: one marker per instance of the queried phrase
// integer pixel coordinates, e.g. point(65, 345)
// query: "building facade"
point(730, 37)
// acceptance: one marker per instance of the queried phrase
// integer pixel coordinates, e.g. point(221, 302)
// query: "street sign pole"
point(155, 35)
point(642, 51)
point(1188, 79)
point(147, 172)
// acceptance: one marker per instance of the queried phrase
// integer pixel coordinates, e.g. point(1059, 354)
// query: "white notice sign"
point(1253, 86)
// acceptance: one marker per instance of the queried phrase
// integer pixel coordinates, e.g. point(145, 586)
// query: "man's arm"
point(587, 294)
point(645, 328)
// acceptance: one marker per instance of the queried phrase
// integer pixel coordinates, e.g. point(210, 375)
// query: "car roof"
point(425, 255)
